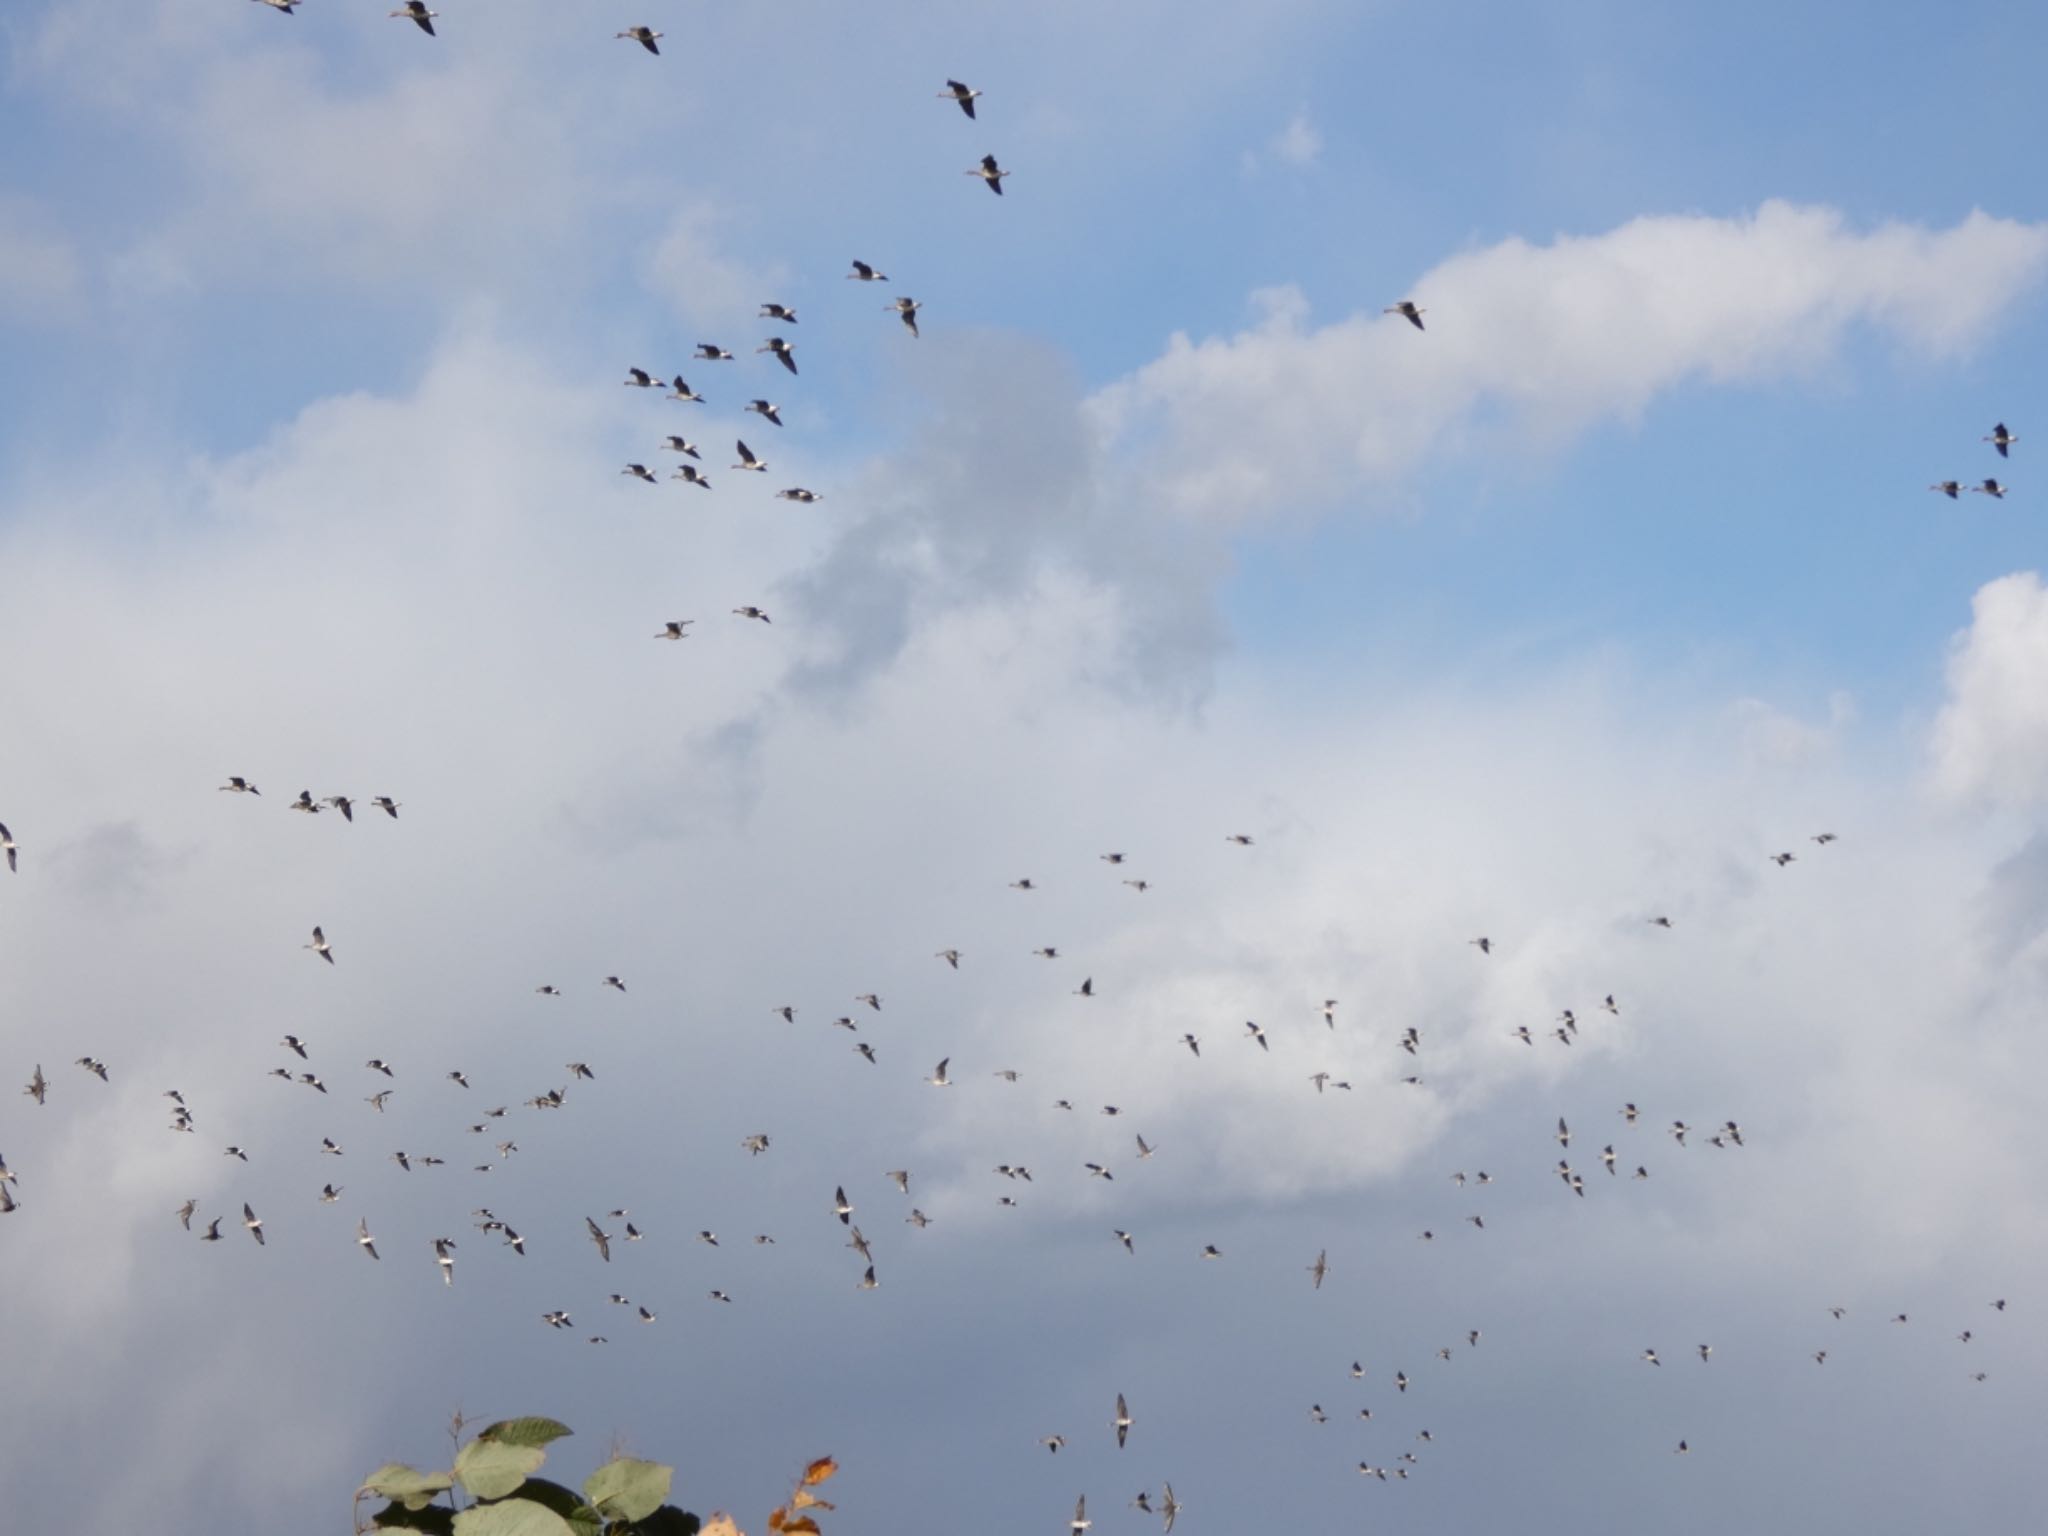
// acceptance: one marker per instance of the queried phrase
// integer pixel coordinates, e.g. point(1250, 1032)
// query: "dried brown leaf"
point(819, 1470)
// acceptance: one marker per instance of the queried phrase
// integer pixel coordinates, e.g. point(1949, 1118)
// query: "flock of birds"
point(616, 1226)
point(1999, 438)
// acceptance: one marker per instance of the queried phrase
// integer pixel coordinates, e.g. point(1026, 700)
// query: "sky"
point(1557, 617)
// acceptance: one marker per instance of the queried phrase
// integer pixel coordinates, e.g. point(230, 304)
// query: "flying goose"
point(681, 445)
point(711, 353)
point(638, 472)
point(768, 408)
point(253, 1223)
point(363, 1238)
point(957, 92)
point(237, 785)
point(680, 390)
point(906, 310)
point(673, 630)
point(798, 493)
point(2001, 440)
point(747, 458)
point(784, 352)
point(1408, 311)
point(690, 474)
point(1122, 1422)
point(863, 273)
point(320, 947)
point(1991, 488)
point(1320, 1268)
point(601, 1238)
point(777, 312)
point(1948, 488)
point(306, 803)
point(387, 805)
point(639, 378)
point(989, 172)
point(38, 1088)
point(644, 36)
point(751, 612)
point(416, 11)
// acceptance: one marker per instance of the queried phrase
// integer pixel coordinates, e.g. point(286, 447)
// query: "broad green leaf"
point(404, 1485)
point(433, 1519)
point(626, 1489)
point(527, 1431)
point(511, 1517)
point(565, 1502)
point(490, 1469)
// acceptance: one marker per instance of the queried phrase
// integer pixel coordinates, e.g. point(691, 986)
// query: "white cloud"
point(1556, 338)
point(702, 285)
point(408, 594)
point(1990, 741)
point(1298, 143)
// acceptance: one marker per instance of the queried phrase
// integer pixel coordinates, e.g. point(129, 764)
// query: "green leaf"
point(667, 1521)
point(583, 1520)
point(626, 1489)
point(490, 1469)
point(528, 1431)
point(403, 1485)
point(511, 1517)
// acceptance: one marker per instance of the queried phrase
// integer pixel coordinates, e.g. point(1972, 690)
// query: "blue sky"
point(1558, 616)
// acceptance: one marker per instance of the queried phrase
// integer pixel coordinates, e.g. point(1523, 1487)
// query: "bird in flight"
point(2002, 440)
point(991, 173)
point(906, 311)
point(363, 1239)
point(1320, 1268)
point(957, 92)
point(253, 1223)
point(1122, 1422)
point(784, 352)
point(644, 36)
point(1080, 1522)
point(1408, 311)
point(863, 273)
point(237, 785)
point(416, 11)
point(38, 1087)
point(672, 630)
point(602, 1238)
